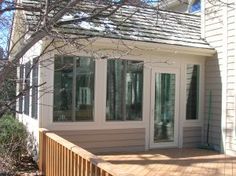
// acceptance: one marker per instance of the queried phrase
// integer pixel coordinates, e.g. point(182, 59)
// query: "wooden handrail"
point(59, 157)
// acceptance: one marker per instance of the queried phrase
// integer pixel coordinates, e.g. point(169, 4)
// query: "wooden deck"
point(174, 162)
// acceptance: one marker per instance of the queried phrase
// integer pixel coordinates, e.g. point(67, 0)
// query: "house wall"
point(104, 141)
point(32, 124)
point(192, 137)
point(18, 35)
point(154, 57)
point(219, 27)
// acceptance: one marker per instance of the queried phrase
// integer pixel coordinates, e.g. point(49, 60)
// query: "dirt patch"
point(25, 167)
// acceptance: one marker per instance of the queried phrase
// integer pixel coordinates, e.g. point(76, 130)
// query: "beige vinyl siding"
point(109, 140)
point(192, 136)
point(220, 31)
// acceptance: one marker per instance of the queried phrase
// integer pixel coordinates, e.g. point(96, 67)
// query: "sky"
point(5, 26)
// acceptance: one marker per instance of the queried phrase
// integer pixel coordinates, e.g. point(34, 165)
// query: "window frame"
point(73, 121)
point(197, 10)
point(199, 120)
point(143, 88)
point(99, 99)
point(198, 93)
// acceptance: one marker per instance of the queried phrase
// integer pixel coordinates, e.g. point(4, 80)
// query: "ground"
point(25, 167)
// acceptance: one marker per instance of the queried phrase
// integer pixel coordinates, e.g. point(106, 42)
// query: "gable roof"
point(132, 23)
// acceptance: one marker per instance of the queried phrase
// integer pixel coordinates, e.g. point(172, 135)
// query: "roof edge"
point(162, 47)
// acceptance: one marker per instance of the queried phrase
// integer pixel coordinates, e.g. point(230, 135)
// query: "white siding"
point(31, 123)
point(219, 30)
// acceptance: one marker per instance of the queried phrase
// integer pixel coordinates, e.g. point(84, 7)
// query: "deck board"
point(174, 162)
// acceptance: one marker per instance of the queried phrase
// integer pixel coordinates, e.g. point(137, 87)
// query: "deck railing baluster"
point(59, 157)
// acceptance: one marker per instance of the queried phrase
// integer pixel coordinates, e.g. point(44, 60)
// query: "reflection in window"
point(192, 92)
point(27, 88)
point(73, 89)
point(124, 90)
point(34, 110)
point(84, 89)
point(21, 76)
point(164, 112)
point(195, 6)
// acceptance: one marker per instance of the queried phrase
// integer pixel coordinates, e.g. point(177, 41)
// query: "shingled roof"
point(133, 23)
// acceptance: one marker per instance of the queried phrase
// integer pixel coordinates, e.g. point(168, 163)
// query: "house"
point(152, 80)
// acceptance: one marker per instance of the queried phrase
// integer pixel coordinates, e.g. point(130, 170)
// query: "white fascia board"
point(148, 46)
point(133, 46)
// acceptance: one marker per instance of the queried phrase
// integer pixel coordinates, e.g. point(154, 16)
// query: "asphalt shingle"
point(131, 23)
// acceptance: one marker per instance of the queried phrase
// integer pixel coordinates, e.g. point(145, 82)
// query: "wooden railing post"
point(59, 157)
point(42, 150)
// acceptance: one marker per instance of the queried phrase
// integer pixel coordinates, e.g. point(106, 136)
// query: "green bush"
point(13, 137)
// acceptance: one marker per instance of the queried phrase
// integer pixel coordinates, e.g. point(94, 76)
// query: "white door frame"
point(175, 71)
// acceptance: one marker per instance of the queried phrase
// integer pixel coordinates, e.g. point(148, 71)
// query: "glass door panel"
point(164, 107)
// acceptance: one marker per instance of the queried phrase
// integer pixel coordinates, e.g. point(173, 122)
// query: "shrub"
point(13, 140)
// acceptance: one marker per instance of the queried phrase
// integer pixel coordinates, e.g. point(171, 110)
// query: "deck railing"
point(59, 157)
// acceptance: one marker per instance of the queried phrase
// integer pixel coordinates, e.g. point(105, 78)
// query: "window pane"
point(74, 89)
point(34, 111)
point(192, 91)
point(63, 80)
point(164, 108)
point(27, 88)
point(196, 6)
point(84, 89)
point(21, 88)
point(124, 90)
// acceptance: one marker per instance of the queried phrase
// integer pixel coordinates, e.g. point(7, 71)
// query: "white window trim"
point(73, 92)
point(199, 120)
point(99, 120)
point(130, 122)
point(46, 74)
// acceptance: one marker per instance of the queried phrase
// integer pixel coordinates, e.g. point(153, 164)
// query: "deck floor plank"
point(174, 162)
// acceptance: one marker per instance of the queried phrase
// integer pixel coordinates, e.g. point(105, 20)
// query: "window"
point(192, 92)
point(195, 6)
point(73, 89)
point(124, 90)
point(27, 87)
point(21, 77)
point(34, 110)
